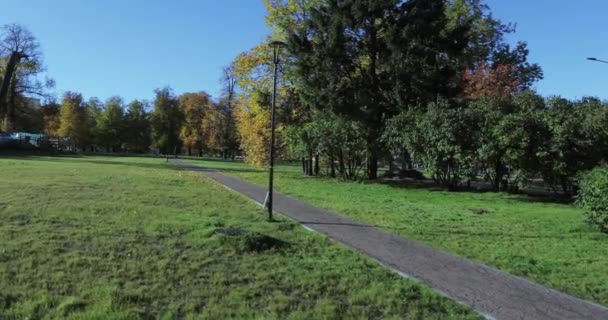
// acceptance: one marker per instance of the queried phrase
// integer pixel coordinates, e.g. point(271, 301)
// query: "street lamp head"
point(597, 60)
point(278, 44)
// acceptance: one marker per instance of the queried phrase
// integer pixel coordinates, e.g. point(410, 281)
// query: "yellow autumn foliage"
point(253, 126)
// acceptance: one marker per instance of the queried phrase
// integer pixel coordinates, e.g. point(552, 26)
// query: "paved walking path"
point(492, 293)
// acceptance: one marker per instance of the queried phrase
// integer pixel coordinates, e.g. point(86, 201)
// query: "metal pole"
point(274, 96)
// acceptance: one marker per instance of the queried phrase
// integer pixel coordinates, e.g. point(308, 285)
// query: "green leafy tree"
point(166, 121)
point(593, 197)
point(94, 109)
point(511, 138)
point(523, 134)
point(578, 140)
point(111, 125)
point(438, 136)
point(342, 142)
point(350, 58)
point(137, 127)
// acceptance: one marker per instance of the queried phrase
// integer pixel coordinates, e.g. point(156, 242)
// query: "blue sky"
point(130, 47)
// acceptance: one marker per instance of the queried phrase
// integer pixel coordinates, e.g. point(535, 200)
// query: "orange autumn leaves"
point(202, 122)
point(487, 80)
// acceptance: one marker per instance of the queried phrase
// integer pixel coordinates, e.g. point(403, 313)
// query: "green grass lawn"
point(538, 239)
point(132, 238)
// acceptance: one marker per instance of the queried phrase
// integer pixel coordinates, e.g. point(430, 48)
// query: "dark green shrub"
point(593, 196)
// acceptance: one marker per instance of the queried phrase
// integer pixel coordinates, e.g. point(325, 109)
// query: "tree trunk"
point(407, 161)
point(372, 164)
point(497, 175)
point(317, 165)
point(9, 120)
point(7, 79)
point(303, 165)
point(310, 164)
point(341, 164)
point(189, 151)
point(332, 166)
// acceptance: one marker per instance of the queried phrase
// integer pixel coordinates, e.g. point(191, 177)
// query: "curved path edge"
point(493, 293)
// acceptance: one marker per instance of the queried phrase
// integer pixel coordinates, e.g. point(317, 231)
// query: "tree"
point(94, 108)
point(111, 125)
point(350, 58)
point(252, 119)
point(253, 73)
point(511, 137)
point(578, 140)
point(166, 121)
point(524, 135)
point(498, 81)
point(341, 141)
point(72, 118)
point(593, 197)
point(438, 136)
point(229, 139)
point(137, 127)
point(20, 76)
point(484, 32)
point(51, 117)
point(492, 65)
point(194, 107)
point(213, 127)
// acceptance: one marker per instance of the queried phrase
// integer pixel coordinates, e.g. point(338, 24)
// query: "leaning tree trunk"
point(11, 106)
point(8, 77)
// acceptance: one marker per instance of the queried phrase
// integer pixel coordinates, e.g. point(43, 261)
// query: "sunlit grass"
point(548, 242)
point(131, 238)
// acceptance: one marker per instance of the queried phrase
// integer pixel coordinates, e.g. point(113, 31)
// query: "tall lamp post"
point(597, 60)
point(276, 47)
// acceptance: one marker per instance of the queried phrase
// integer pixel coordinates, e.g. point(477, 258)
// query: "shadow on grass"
point(286, 170)
point(358, 225)
point(589, 234)
point(529, 197)
point(76, 158)
point(211, 159)
point(202, 168)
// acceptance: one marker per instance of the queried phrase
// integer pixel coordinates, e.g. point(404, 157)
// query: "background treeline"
point(434, 84)
point(191, 123)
